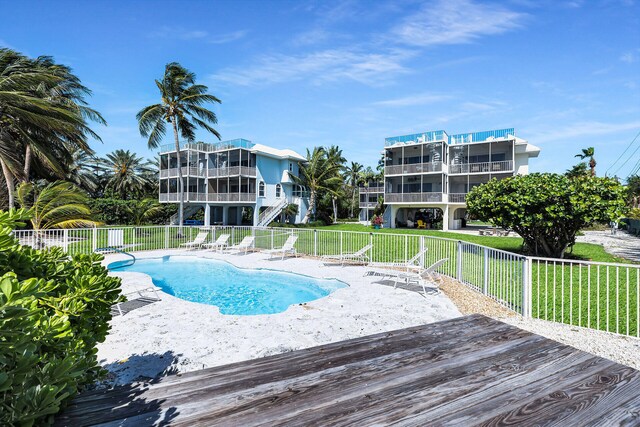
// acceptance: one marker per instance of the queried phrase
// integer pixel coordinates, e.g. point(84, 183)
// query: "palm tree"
point(59, 204)
point(42, 114)
point(142, 210)
point(126, 173)
point(588, 153)
point(317, 174)
point(182, 106)
point(337, 160)
point(82, 170)
point(354, 178)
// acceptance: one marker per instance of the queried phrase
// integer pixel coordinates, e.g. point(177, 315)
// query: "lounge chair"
point(287, 248)
point(197, 242)
point(243, 246)
point(427, 275)
point(393, 270)
point(359, 256)
point(219, 244)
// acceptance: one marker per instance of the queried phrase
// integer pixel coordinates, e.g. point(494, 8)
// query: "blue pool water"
point(233, 290)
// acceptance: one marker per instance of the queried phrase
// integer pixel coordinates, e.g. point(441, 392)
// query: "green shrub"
point(54, 310)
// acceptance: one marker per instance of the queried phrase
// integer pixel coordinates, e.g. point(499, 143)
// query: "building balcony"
point(211, 197)
point(367, 190)
point(232, 171)
point(484, 167)
point(368, 205)
point(416, 168)
point(413, 197)
point(457, 197)
point(186, 171)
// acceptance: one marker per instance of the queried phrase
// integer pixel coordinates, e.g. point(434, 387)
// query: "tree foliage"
point(54, 310)
point(547, 210)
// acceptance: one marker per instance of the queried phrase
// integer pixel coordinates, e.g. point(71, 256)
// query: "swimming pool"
point(233, 290)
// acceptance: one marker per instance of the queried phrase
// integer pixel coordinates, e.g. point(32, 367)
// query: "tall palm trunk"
point(27, 163)
point(8, 176)
point(180, 183)
point(312, 207)
point(335, 209)
point(353, 201)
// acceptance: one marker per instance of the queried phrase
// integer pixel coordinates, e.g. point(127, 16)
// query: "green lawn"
point(581, 251)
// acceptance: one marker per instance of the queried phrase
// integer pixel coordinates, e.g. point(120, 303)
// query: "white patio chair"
point(243, 246)
point(221, 243)
point(197, 242)
point(392, 270)
point(428, 275)
point(287, 248)
point(358, 256)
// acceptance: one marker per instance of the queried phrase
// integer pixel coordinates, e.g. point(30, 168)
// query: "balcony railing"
point(484, 136)
point(368, 204)
point(232, 171)
point(206, 147)
point(211, 197)
point(457, 197)
point(484, 167)
point(412, 197)
point(186, 171)
point(413, 168)
point(231, 197)
point(431, 136)
point(365, 190)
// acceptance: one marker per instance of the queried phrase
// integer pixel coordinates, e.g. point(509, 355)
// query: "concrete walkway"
point(621, 244)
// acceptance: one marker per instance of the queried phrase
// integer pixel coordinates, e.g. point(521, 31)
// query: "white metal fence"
point(595, 295)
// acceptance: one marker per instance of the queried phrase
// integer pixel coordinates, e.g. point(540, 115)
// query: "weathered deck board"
point(465, 371)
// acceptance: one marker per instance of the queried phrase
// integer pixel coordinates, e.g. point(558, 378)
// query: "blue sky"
point(565, 74)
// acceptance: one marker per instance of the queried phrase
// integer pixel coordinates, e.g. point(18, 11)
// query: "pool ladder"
point(120, 251)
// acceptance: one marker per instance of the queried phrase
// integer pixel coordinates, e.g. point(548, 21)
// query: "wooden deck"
point(466, 371)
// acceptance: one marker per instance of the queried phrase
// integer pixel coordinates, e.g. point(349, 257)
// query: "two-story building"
point(236, 182)
point(428, 175)
point(369, 195)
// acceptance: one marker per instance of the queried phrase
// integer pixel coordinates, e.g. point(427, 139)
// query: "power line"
point(623, 153)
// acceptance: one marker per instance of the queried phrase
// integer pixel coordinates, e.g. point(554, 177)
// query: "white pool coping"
point(180, 336)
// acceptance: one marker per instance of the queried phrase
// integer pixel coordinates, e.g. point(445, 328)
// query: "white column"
point(446, 219)
point(225, 215)
point(207, 215)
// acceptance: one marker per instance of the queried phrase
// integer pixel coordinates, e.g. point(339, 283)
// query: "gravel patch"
point(621, 349)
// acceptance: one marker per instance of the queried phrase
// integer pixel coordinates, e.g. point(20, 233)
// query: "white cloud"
point(228, 37)
point(456, 21)
point(412, 100)
point(580, 129)
point(326, 65)
point(630, 57)
point(184, 34)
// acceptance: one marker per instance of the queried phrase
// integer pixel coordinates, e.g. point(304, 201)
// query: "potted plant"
point(376, 221)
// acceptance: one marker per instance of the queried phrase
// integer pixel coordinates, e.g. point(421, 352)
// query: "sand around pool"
point(173, 335)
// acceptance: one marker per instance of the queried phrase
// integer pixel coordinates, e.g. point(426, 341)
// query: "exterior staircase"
point(188, 211)
point(271, 213)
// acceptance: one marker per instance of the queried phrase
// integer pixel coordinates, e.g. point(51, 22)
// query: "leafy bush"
point(114, 211)
point(547, 209)
point(54, 310)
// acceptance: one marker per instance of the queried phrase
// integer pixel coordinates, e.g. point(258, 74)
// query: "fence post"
point(485, 285)
point(133, 240)
point(371, 243)
point(341, 238)
point(459, 262)
point(166, 237)
point(315, 242)
point(232, 235)
point(272, 238)
point(526, 287)
point(422, 246)
point(65, 239)
point(94, 245)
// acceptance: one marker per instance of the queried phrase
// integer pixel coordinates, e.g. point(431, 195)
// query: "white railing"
point(413, 168)
point(595, 295)
point(412, 197)
point(457, 197)
point(231, 171)
point(368, 204)
point(365, 190)
point(210, 197)
point(484, 167)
